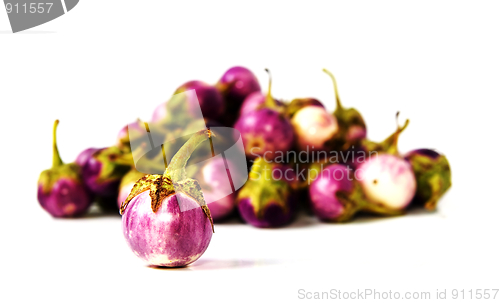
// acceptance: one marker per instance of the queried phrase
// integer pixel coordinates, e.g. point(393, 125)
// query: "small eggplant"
point(165, 219)
point(61, 191)
point(325, 194)
point(433, 174)
point(235, 85)
point(267, 200)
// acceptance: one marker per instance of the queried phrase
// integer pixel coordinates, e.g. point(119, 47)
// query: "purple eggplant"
point(433, 174)
point(266, 132)
point(267, 200)
point(235, 85)
point(165, 219)
point(325, 194)
point(61, 191)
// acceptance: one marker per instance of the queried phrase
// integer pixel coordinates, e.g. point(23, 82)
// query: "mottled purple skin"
point(85, 155)
point(253, 102)
point(237, 83)
point(170, 237)
point(67, 198)
point(265, 132)
point(323, 192)
point(210, 99)
point(90, 174)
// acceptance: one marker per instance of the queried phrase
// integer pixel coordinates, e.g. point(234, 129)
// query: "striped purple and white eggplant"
point(267, 199)
point(165, 219)
point(433, 174)
point(61, 191)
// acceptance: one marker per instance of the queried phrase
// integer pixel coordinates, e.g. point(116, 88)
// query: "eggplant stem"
point(269, 97)
point(335, 88)
point(176, 170)
point(56, 158)
point(393, 148)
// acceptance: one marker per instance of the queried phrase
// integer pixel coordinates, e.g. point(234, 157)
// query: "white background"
point(106, 63)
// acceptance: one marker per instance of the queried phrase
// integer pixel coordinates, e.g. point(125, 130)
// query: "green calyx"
point(49, 177)
point(131, 177)
point(115, 163)
point(262, 188)
point(297, 104)
point(390, 144)
point(356, 201)
point(433, 178)
point(346, 119)
point(174, 179)
point(59, 170)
